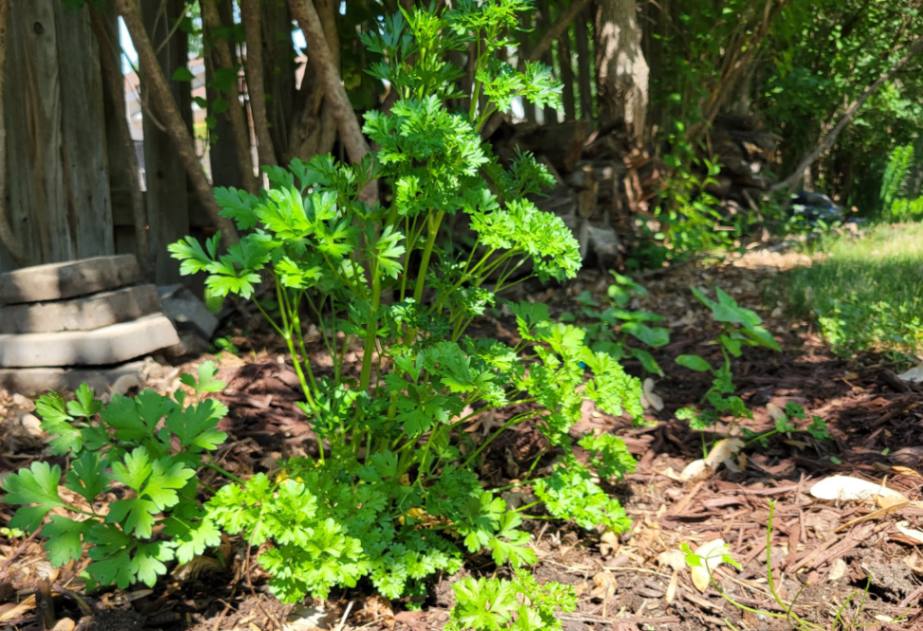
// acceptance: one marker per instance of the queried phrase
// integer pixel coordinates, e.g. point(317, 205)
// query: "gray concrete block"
point(37, 381)
point(80, 314)
point(187, 311)
point(108, 345)
point(55, 281)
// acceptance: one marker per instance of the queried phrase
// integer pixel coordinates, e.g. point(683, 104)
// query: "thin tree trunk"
point(584, 71)
point(567, 77)
point(828, 139)
point(621, 71)
point(212, 22)
point(7, 237)
point(278, 72)
point(323, 63)
point(173, 121)
point(314, 129)
point(256, 87)
point(115, 91)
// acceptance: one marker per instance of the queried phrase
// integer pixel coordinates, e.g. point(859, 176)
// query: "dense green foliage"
point(393, 492)
point(147, 451)
point(823, 55)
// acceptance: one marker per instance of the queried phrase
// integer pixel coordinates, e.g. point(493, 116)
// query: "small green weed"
point(617, 329)
point(740, 327)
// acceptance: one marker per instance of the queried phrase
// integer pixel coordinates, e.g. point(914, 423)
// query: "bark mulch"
point(831, 565)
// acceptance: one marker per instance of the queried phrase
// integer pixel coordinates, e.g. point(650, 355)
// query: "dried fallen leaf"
point(64, 624)
point(914, 375)
point(695, 470)
point(608, 543)
point(775, 412)
point(901, 470)
point(848, 488)
point(650, 398)
point(604, 585)
point(837, 570)
point(304, 618)
point(672, 558)
point(712, 555)
point(10, 612)
point(911, 533)
point(723, 450)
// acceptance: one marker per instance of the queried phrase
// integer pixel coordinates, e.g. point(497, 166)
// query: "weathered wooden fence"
point(68, 193)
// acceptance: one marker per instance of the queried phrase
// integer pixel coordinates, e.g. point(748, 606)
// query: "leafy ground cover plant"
point(617, 329)
point(740, 327)
point(494, 604)
point(393, 491)
point(145, 451)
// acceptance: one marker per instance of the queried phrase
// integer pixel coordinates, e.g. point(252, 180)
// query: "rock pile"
point(62, 324)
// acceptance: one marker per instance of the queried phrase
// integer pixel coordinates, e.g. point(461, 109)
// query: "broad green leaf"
point(36, 489)
point(86, 476)
point(85, 404)
point(56, 422)
point(694, 362)
point(167, 477)
point(134, 470)
point(64, 539)
point(135, 516)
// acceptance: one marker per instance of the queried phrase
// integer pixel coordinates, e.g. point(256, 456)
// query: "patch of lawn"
point(866, 292)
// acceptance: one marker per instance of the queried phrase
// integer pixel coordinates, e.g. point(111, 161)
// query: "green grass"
point(866, 292)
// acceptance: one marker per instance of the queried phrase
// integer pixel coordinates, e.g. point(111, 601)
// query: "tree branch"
point(160, 91)
point(829, 139)
point(321, 59)
point(556, 30)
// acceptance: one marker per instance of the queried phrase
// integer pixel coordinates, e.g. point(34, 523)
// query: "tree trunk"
point(160, 91)
point(621, 70)
point(323, 62)
point(256, 87)
point(222, 148)
point(235, 112)
point(828, 139)
point(109, 53)
point(278, 71)
point(314, 130)
point(584, 79)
